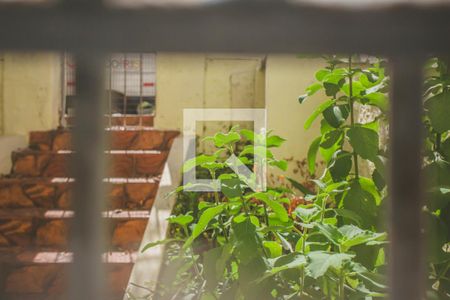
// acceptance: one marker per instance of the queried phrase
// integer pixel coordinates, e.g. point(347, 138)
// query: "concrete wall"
point(287, 77)
point(1, 94)
point(31, 92)
point(199, 80)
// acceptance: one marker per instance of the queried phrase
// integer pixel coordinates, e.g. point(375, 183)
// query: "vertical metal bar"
point(406, 259)
point(62, 111)
point(88, 170)
point(110, 92)
point(141, 82)
point(125, 89)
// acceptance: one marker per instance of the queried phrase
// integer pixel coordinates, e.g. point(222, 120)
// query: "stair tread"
point(20, 255)
point(42, 213)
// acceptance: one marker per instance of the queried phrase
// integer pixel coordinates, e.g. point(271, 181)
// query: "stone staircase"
point(35, 208)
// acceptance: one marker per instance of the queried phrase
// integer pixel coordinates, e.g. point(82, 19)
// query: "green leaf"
point(246, 243)
point(210, 259)
point(379, 100)
point(201, 159)
point(306, 212)
point(312, 154)
point(353, 236)
point(205, 218)
point(280, 164)
point(320, 262)
point(317, 112)
point(276, 207)
point(336, 115)
point(321, 74)
point(331, 138)
point(182, 220)
point(161, 242)
point(438, 110)
point(357, 88)
point(300, 187)
point(348, 214)
point(248, 134)
point(364, 142)
point(222, 139)
point(310, 90)
point(231, 188)
point(274, 141)
point(362, 203)
point(340, 165)
point(330, 232)
point(274, 248)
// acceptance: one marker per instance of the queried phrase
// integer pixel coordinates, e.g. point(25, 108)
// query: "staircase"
point(35, 208)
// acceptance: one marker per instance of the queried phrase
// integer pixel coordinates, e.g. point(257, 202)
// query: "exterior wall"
point(31, 92)
point(287, 77)
point(1, 95)
point(199, 80)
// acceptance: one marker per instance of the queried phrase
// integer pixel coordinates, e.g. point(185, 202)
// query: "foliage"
point(437, 170)
point(245, 244)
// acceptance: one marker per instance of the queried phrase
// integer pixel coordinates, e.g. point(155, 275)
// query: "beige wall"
point(199, 80)
point(1, 95)
point(31, 92)
point(287, 77)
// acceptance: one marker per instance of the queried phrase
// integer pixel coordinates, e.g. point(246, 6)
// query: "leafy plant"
point(437, 171)
point(244, 244)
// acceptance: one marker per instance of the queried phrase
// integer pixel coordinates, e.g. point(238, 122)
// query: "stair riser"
point(22, 194)
point(119, 140)
point(147, 120)
point(50, 281)
point(55, 233)
point(38, 164)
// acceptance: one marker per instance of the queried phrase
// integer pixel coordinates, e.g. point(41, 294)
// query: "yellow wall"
point(197, 80)
point(31, 92)
point(1, 94)
point(287, 77)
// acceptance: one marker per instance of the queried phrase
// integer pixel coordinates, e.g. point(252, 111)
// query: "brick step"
point(49, 281)
point(31, 163)
point(121, 138)
point(50, 229)
point(131, 193)
point(122, 120)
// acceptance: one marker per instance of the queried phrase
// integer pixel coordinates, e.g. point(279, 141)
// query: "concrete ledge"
point(8, 144)
point(148, 264)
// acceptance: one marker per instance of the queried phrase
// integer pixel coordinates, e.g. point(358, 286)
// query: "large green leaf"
point(364, 141)
point(274, 141)
point(361, 202)
point(246, 242)
point(340, 165)
point(222, 139)
point(196, 161)
point(320, 262)
point(205, 218)
point(275, 206)
point(317, 112)
point(331, 138)
point(438, 110)
point(275, 249)
point(312, 154)
point(379, 100)
point(336, 115)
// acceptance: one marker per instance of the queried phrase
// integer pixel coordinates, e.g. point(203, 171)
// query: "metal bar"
point(124, 89)
point(406, 259)
point(141, 82)
point(62, 109)
point(88, 168)
point(110, 92)
point(268, 26)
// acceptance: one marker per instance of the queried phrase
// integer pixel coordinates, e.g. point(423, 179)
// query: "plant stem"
point(341, 285)
point(352, 112)
point(217, 200)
